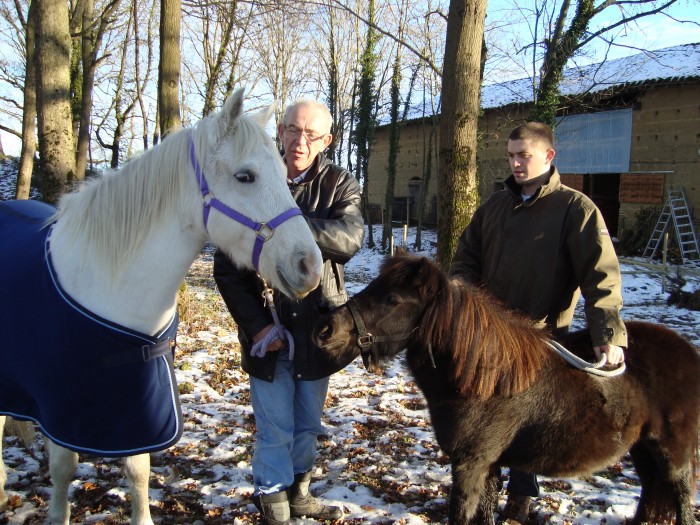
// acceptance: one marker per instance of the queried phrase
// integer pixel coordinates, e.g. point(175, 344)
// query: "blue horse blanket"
point(91, 385)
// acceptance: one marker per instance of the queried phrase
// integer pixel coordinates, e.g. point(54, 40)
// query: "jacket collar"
point(553, 183)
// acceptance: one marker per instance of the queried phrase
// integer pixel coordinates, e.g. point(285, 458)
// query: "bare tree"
point(280, 49)
point(123, 103)
point(56, 145)
point(93, 29)
point(215, 35)
point(142, 80)
point(26, 159)
point(366, 116)
point(169, 67)
point(461, 84)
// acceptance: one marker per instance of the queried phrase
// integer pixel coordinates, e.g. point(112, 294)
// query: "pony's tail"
point(24, 430)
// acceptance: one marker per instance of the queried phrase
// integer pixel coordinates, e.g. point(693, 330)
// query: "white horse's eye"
point(245, 177)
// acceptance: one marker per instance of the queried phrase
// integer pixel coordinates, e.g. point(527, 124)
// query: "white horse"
point(119, 248)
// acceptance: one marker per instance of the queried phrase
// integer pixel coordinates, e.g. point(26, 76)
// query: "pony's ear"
point(233, 109)
point(429, 277)
point(401, 251)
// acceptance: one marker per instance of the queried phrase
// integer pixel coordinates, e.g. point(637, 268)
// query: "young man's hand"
point(614, 354)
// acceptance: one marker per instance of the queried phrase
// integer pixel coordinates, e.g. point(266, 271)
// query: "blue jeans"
point(288, 420)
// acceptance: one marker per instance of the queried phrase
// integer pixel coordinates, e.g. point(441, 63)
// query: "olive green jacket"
point(538, 256)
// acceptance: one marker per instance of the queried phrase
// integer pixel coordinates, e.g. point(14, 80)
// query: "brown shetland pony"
point(499, 396)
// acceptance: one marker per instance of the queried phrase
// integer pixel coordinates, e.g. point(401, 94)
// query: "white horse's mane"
point(111, 216)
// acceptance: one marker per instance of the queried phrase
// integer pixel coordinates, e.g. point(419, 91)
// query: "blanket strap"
point(144, 354)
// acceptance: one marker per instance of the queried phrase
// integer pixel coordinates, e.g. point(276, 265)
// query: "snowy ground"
point(378, 459)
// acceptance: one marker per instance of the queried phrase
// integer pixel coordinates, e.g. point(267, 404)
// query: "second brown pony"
point(499, 396)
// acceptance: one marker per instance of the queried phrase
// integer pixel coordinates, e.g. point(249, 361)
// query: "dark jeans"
point(523, 484)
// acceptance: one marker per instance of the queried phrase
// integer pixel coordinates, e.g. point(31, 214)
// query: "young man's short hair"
point(535, 132)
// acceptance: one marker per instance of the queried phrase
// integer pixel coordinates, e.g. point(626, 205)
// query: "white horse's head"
point(248, 209)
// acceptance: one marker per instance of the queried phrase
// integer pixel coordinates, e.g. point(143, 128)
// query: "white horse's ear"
point(233, 109)
point(263, 116)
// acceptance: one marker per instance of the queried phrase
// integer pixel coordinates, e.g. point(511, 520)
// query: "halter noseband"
point(263, 230)
point(365, 339)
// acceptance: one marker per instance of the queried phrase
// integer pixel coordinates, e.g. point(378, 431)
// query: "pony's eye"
point(245, 177)
point(392, 300)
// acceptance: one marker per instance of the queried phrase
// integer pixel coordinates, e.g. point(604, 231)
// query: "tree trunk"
point(366, 118)
point(26, 159)
point(560, 49)
point(394, 147)
point(457, 182)
point(56, 147)
point(89, 56)
point(169, 67)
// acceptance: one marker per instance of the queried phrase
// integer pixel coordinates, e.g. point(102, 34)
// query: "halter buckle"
point(264, 232)
point(365, 341)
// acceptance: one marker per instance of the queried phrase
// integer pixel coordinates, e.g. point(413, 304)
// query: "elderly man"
point(288, 378)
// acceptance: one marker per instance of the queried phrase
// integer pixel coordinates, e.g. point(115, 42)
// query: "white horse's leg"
point(62, 465)
point(3, 473)
point(138, 470)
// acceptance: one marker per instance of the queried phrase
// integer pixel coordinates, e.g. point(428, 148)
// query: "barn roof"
point(671, 64)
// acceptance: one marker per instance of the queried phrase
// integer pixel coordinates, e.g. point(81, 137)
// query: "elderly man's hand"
point(614, 354)
point(275, 345)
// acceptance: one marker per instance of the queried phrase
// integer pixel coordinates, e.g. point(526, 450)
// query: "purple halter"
point(263, 230)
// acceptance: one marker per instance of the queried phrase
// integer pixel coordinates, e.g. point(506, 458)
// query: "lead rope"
point(591, 368)
point(260, 348)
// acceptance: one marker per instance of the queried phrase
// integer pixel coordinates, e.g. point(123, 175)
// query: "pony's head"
point(480, 347)
point(247, 208)
point(379, 321)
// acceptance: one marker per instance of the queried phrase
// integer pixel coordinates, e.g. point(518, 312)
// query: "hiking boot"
point(516, 510)
point(302, 503)
point(274, 508)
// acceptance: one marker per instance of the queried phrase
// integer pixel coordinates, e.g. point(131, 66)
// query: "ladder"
point(675, 210)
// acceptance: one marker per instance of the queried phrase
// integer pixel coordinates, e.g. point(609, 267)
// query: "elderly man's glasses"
point(311, 136)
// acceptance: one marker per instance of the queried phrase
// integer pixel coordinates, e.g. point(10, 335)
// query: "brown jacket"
point(538, 256)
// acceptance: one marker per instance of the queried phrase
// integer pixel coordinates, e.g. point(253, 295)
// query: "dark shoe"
point(274, 508)
point(516, 510)
point(302, 503)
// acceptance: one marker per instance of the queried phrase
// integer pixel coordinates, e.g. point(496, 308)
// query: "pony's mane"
point(112, 215)
point(493, 350)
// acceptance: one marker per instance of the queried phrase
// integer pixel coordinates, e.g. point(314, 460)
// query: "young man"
point(288, 388)
point(536, 246)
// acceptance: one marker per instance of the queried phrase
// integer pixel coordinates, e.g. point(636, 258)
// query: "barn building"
point(630, 134)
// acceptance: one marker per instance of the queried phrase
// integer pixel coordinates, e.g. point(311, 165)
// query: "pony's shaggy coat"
point(498, 396)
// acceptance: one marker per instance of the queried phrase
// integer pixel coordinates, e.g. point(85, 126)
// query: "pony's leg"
point(468, 484)
point(138, 470)
point(488, 502)
point(666, 488)
point(683, 487)
point(62, 465)
point(3, 472)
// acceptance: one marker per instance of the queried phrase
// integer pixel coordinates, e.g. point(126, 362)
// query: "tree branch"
point(11, 131)
point(396, 39)
point(623, 21)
